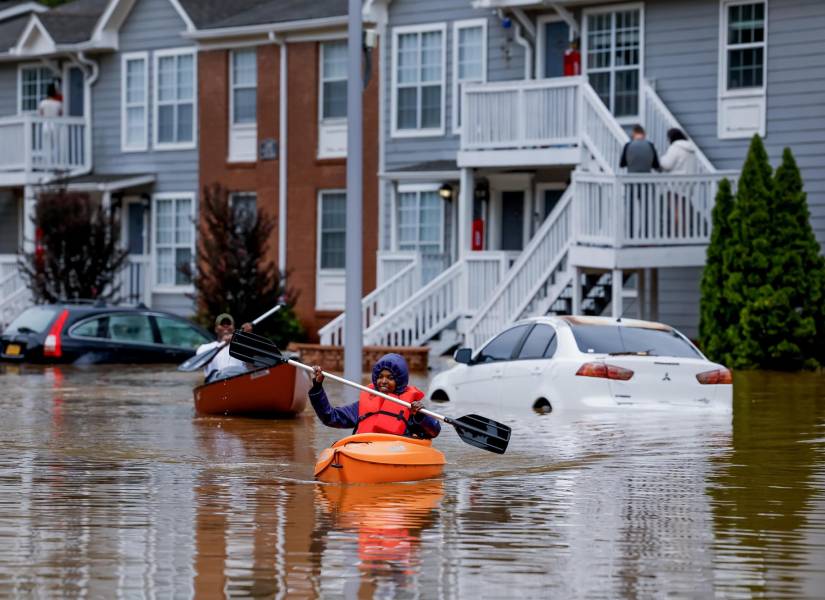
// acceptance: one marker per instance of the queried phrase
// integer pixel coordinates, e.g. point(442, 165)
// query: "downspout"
point(523, 42)
point(94, 69)
point(282, 153)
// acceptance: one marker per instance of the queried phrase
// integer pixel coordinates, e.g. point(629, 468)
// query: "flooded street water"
point(112, 487)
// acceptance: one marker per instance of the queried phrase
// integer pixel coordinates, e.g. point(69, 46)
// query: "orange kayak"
point(280, 390)
point(378, 458)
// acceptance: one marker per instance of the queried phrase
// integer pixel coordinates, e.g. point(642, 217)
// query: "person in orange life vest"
point(373, 414)
point(573, 60)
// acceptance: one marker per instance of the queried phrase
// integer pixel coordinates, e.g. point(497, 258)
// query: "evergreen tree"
point(235, 274)
point(715, 313)
point(77, 253)
point(748, 254)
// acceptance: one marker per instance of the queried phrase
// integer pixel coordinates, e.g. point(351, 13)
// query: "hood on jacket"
point(685, 145)
point(395, 364)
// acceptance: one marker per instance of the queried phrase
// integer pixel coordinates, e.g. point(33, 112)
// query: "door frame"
point(508, 182)
point(541, 39)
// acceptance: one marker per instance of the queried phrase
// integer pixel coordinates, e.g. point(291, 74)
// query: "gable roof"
point(13, 8)
point(214, 14)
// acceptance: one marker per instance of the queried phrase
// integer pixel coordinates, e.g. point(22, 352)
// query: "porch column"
point(465, 211)
point(576, 306)
point(29, 203)
point(616, 299)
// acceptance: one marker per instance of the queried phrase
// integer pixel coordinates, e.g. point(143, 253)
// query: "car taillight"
point(51, 347)
point(605, 371)
point(715, 377)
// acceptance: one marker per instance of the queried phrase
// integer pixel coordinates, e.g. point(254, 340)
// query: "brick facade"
point(306, 174)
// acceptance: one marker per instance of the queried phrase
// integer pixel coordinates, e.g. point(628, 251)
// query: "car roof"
point(568, 320)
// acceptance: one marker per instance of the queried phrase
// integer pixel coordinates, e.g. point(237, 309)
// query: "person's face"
point(224, 330)
point(385, 382)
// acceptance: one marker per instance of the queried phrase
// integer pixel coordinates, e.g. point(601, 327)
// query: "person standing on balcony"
point(680, 157)
point(639, 154)
point(52, 105)
point(573, 59)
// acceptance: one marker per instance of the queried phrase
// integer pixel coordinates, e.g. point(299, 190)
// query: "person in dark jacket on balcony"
point(373, 414)
point(639, 154)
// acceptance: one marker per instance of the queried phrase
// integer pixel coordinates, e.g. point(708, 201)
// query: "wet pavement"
point(111, 486)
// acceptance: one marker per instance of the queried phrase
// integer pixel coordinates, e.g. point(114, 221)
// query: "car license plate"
point(13, 350)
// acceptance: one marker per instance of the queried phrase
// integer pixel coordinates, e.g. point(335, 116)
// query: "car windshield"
point(32, 320)
point(639, 341)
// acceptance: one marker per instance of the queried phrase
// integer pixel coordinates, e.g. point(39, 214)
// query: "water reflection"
point(111, 486)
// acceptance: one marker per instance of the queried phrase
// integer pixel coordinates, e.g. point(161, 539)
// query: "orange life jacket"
point(377, 415)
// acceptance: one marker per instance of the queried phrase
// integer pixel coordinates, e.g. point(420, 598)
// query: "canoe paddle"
point(193, 363)
point(475, 430)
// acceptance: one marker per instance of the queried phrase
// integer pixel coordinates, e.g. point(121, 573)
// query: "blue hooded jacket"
point(346, 417)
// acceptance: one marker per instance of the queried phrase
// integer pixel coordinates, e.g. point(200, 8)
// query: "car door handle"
point(535, 371)
point(497, 374)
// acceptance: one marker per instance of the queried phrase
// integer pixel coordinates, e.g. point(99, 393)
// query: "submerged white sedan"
point(558, 364)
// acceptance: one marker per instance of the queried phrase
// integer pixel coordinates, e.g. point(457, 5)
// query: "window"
point(174, 332)
point(469, 60)
point(745, 45)
point(418, 80)
point(244, 83)
point(420, 221)
point(503, 346)
point(333, 223)
point(35, 320)
point(174, 238)
point(613, 58)
point(611, 339)
point(334, 80)
point(34, 85)
point(93, 328)
point(130, 328)
point(244, 208)
point(175, 99)
point(134, 100)
point(540, 343)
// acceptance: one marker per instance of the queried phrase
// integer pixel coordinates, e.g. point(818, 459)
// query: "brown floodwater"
point(111, 486)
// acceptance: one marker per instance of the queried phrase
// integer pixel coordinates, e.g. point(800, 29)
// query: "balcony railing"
point(44, 144)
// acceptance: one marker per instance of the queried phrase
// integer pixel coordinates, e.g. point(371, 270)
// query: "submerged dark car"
point(89, 334)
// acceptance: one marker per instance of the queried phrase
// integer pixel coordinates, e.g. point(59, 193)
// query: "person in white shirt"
point(52, 105)
point(223, 365)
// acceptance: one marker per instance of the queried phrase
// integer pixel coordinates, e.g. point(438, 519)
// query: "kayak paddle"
point(193, 363)
point(475, 430)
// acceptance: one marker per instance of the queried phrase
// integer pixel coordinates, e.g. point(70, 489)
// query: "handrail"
point(607, 157)
point(521, 84)
point(520, 294)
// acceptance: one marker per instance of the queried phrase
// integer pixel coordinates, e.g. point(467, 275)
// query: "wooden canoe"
point(269, 391)
point(378, 458)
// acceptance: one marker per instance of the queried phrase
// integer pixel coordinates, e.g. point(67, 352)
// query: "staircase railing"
point(14, 295)
point(530, 273)
point(658, 119)
point(377, 303)
point(602, 134)
point(452, 294)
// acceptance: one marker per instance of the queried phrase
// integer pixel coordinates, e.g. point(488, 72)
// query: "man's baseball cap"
point(224, 317)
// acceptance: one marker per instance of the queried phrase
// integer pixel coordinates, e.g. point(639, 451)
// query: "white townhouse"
point(501, 192)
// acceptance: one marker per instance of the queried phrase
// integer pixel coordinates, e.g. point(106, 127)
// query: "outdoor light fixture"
point(446, 191)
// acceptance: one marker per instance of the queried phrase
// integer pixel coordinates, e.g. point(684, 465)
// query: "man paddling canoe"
point(372, 414)
point(223, 365)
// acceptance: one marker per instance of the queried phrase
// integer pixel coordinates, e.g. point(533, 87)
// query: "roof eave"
point(283, 27)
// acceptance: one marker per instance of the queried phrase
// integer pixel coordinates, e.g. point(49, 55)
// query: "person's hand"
point(416, 406)
point(247, 327)
point(226, 337)
point(317, 374)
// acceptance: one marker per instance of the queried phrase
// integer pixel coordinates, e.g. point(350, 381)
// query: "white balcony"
point(35, 148)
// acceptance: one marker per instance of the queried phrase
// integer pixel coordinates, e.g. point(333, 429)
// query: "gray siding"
point(682, 56)
point(679, 299)
point(152, 25)
point(9, 222)
point(406, 151)
point(8, 90)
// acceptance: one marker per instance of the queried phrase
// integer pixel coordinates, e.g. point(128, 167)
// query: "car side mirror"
point(463, 356)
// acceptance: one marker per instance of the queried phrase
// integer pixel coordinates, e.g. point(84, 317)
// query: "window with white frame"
point(332, 230)
point(418, 80)
point(134, 101)
point(333, 80)
point(613, 62)
point(244, 207)
point(174, 238)
point(469, 60)
point(420, 221)
point(34, 85)
point(175, 85)
point(244, 83)
point(745, 45)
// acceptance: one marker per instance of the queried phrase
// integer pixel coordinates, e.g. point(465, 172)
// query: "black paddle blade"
point(193, 363)
point(482, 432)
point(255, 349)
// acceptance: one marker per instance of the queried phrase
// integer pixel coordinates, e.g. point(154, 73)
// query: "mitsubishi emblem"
point(666, 377)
